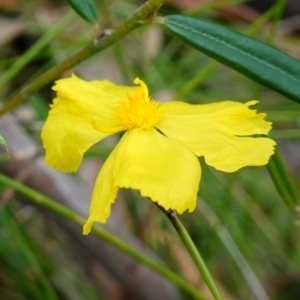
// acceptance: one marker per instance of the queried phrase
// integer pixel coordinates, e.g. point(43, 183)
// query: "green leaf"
point(256, 60)
point(282, 180)
point(87, 9)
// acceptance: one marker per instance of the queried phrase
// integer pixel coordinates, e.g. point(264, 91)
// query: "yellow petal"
point(159, 168)
point(97, 100)
point(239, 152)
point(218, 132)
point(67, 135)
point(104, 194)
point(82, 114)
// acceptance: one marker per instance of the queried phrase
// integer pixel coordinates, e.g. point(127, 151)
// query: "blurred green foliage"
point(242, 210)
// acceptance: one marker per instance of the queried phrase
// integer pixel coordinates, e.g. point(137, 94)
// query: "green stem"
point(29, 55)
point(117, 48)
point(260, 21)
point(189, 244)
point(103, 41)
point(105, 235)
point(207, 6)
point(286, 133)
point(279, 9)
point(195, 81)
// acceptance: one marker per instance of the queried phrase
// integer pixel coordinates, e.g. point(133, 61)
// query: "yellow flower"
point(158, 153)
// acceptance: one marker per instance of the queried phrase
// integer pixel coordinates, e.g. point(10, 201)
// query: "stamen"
point(140, 111)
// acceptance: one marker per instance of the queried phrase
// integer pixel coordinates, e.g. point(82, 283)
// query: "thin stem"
point(29, 55)
point(117, 48)
point(189, 244)
point(207, 6)
point(103, 41)
point(197, 80)
point(105, 235)
point(279, 10)
point(286, 133)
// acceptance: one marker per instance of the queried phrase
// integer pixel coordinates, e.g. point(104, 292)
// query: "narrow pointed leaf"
point(256, 60)
point(282, 180)
point(87, 9)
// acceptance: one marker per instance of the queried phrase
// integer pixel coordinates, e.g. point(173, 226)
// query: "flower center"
point(140, 111)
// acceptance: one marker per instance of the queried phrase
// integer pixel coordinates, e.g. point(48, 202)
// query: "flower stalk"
point(103, 41)
point(190, 246)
